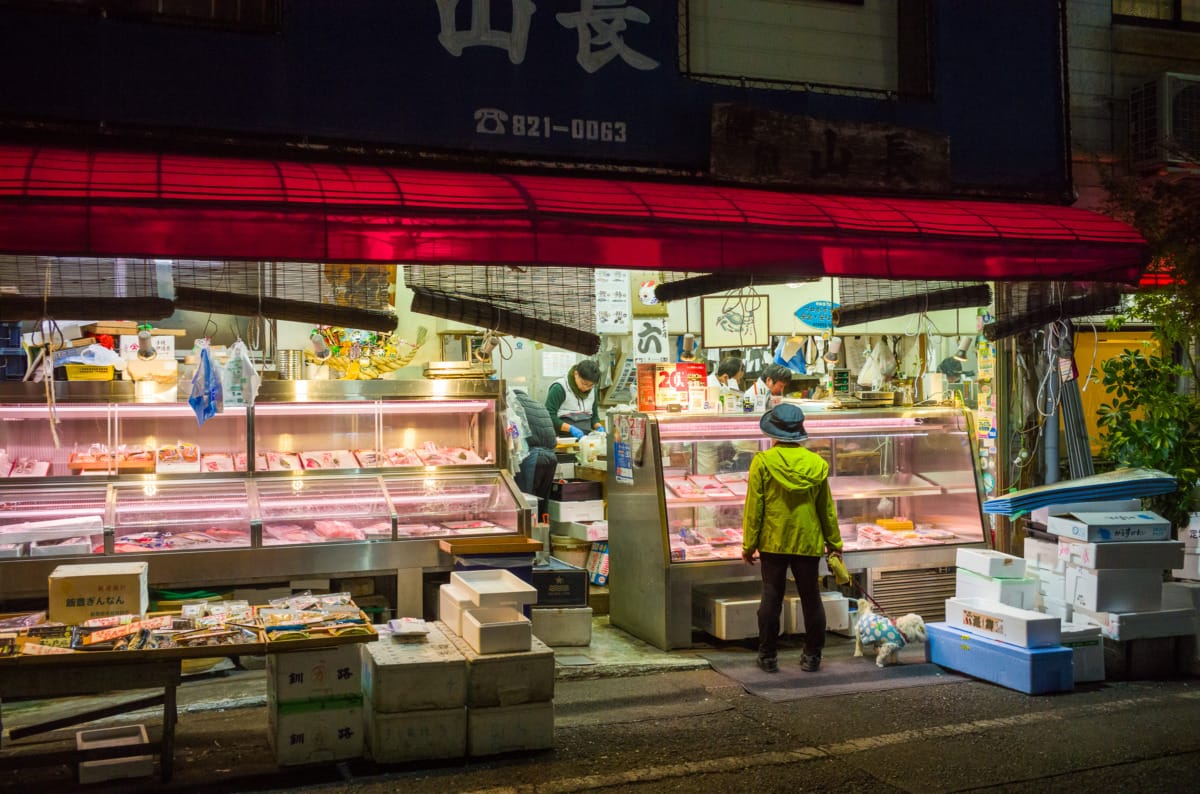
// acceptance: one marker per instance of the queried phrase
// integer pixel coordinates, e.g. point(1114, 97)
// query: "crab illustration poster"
point(738, 320)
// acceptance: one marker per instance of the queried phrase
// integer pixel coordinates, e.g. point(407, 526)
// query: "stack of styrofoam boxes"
point(988, 636)
point(314, 704)
point(1114, 570)
point(1186, 595)
point(1043, 564)
point(837, 613)
point(414, 698)
point(1190, 535)
point(510, 673)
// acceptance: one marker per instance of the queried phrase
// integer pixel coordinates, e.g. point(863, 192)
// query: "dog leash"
point(878, 609)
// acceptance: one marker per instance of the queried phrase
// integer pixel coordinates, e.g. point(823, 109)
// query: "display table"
point(68, 675)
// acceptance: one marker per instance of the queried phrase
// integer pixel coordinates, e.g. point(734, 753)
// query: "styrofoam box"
point(562, 625)
point(1190, 568)
point(1114, 589)
point(1050, 583)
point(1123, 626)
point(497, 629)
point(727, 618)
point(494, 587)
point(1181, 595)
point(1190, 535)
point(583, 530)
point(1043, 555)
point(1034, 671)
point(1111, 527)
point(987, 562)
point(452, 600)
point(321, 673)
point(1014, 592)
point(507, 679)
point(414, 676)
point(1085, 641)
point(589, 510)
point(1042, 515)
point(104, 769)
point(1015, 626)
point(315, 731)
point(505, 729)
point(1157, 554)
point(1056, 606)
point(837, 613)
point(397, 737)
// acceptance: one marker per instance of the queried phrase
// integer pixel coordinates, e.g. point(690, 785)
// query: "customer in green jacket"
point(789, 521)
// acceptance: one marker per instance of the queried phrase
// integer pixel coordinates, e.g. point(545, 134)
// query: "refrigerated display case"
point(904, 480)
point(317, 479)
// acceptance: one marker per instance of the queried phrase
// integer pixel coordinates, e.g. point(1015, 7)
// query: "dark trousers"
point(535, 476)
point(805, 570)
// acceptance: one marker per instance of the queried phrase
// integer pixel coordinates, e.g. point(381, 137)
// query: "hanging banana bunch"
point(352, 357)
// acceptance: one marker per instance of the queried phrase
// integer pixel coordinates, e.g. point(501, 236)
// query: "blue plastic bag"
point(206, 397)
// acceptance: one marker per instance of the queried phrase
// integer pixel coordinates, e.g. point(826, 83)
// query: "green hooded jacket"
point(789, 508)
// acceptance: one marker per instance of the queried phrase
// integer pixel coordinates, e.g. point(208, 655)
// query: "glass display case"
point(903, 481)
point(316, 479)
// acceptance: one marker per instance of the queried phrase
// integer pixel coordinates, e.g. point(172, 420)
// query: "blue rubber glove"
point(576, 432)
point(601, 429)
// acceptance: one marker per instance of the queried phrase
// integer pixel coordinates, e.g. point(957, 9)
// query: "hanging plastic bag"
point(206, 397)
point(239, 378)
point(869, 377)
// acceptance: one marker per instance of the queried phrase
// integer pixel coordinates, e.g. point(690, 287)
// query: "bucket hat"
point(784, 422)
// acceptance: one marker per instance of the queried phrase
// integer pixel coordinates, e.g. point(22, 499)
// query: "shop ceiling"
point(89, 203)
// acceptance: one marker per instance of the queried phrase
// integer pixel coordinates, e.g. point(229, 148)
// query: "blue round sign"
point(818, 314)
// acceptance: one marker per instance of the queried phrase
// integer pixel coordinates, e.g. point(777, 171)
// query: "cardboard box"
point(837, 613)
point(508, 679)
point(558, 626)
point(506, 729)
point(315, 731)
point(497, 629)
point(1014, 592)
point(319, 674)
point(589, 510)
point(414, 676)
point(576, 490)
point(1111, 527)
point(103, 769)
point(1156, 554)
point(94, 590)
point(1114, 589)
point(1124, 626)
point(1022, 627)
point(1034, 671)
point(1085, 642)
point(987, 562)
point(397, 737)
point(1042, 555)
point(560, 584)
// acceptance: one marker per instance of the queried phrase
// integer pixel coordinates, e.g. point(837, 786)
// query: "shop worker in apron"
point(571, 400)
point(728, 375)
point(773, 382)
point(789, 521)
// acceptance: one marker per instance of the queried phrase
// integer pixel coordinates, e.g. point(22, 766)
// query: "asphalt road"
point(698, 731)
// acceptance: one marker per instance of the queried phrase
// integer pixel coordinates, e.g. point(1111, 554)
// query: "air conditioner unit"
point(1164, 121)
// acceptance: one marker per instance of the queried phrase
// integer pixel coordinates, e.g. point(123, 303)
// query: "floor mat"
point(840, 673)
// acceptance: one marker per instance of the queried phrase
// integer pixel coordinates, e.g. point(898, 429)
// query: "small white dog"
point(872, 628)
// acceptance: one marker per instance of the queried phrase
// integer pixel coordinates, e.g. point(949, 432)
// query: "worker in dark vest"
point(571, 400)
point(535, 473)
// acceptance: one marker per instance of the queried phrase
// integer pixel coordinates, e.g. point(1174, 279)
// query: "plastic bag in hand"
point(206, 397)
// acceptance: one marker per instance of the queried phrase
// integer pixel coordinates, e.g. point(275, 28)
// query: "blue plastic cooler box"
point(1034, 671)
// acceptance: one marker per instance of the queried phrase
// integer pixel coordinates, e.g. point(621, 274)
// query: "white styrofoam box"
point(321, 673)
point(1041, 515)
point(1085, 640)
point(565, 470)
point(1157, 554)
point(397, 737)
point(414, 676)
point(494, 587)
point(104, 769)
point(314, 731)
point(506, 679)
point(1190, 535)
point(987, 562)
point(1042, 554)
point(1141, 625)
point(1190, 568)
point(584, 530)
point(1050, 583)
point(1014, 592)
point(1111, 527)
point(837, 613)
point(1014, 626)
point(1181, 595)
point(562, 625)
point(1114, 589)
point(727, 618)
point(452, 600)
point(505, 729)
point(586, 510)
point(1057, 607)
point(497, 629)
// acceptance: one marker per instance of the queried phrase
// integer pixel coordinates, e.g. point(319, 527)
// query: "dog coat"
point(873, 628)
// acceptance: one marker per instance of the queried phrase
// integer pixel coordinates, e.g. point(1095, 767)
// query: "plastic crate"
point(12, 363)
point(10, 334)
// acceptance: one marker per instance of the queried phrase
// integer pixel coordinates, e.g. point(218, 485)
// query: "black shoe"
point(810, 664)
point(768, 664)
